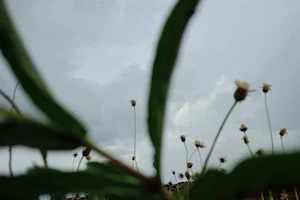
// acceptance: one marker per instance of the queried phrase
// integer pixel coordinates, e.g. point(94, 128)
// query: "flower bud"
point(187, 175)
point(223, 159)
point(86, 152)
point(182, 137)
point(242, 90)
point(266, 87)
point(243, 128)
point(189, 164)
point(133, 102)
point(282, 132)
point(246, 141)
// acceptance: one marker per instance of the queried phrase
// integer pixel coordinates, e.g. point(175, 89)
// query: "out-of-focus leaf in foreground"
point(162, 70)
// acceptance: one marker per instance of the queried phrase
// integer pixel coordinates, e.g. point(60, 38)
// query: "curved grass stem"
point(217, 136)
point(192, 154)
point(147, 180)
point(269, 122)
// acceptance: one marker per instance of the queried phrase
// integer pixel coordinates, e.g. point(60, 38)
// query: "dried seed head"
point(260, 152)
point(187, 175)
point(88, 157)
point(133, 102)
point(173, 172)
point(86, 152)
point(199, 144)
point(133, 158)
point(75, 154)
point(181, 176)
point(282, 132)
point(223, 159)
point(246, 141)
point(266, 87)
point(189, 164)
point(243, 128)
point(182, 137)
point(242, 90)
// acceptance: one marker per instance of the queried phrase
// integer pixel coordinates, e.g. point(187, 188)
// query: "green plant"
point(114, 179)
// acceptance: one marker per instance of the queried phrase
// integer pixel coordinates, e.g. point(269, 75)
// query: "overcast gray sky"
point(96, 55)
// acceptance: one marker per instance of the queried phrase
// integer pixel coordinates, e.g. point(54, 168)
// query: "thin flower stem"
point(200, 158)
point(192, 171)
point(217, 136)
point(73, 164)
point(269, 122)
point(250, 150)
point(186, 156)
point(149, 181)
point(11, 102)
point(249, 146)
point(137, 168)
point(10, 162)
point(79, 163)
point(192, 154)
point(134, 113)
point(13, 107)
point(175, 179)
point(282, 145)
point(219, 165)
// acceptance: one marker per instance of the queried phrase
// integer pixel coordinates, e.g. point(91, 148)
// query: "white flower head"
point(242, 90)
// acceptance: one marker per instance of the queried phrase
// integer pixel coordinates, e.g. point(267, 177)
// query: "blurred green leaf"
point(275, 172)
point(24, 69)
point(43, 181)
point(20, 131)
point(162, 69)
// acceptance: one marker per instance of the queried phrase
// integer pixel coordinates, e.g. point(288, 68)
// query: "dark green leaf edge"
point(16, 130)
point(42, 181)
point(256, 174)
point(162, 70)
point(24, 69)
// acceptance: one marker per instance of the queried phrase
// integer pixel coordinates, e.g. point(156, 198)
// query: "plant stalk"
point(283, 150)
point(192, 154)
point(73, 164)
point(186, 156)
point(148, 180)
point(200, 158)
point(217, 136)
point(134, 151)
point(269, 122)
point(249, 146)
point(79, 163)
